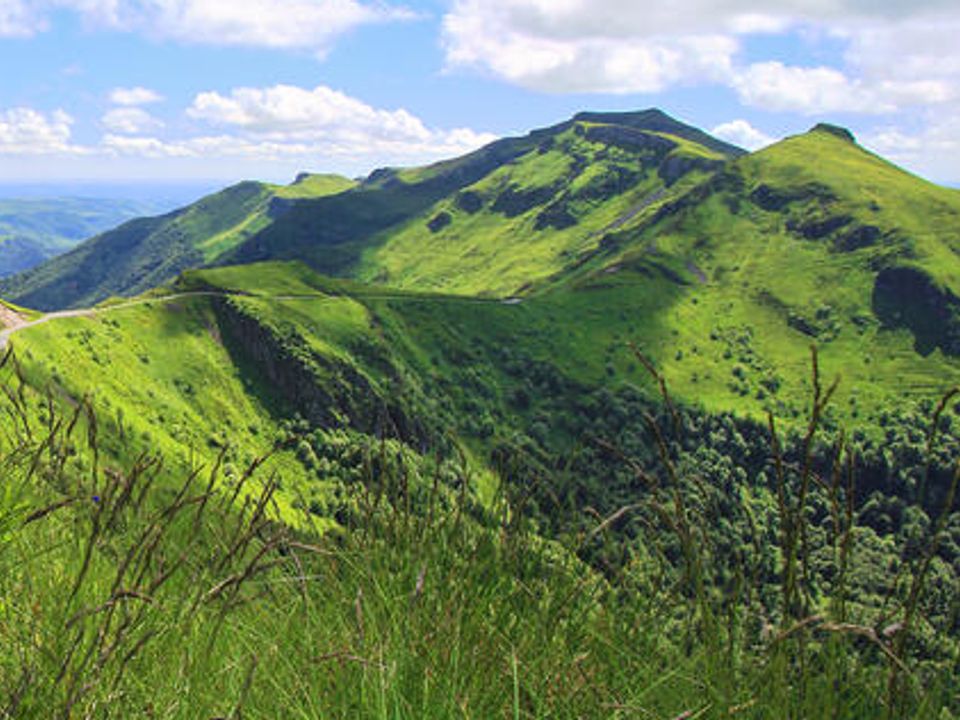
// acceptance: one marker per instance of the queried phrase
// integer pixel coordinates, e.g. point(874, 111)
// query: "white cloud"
point(933, 151)
point(283, 129)
point(16, 20)
point(290, 110)
point(812, 91)
point(308, 24)
point(899, 54)
point(304, 24)
point(569, 46)
point(130, 121)
point(134, 96)
point(743, 134)
point(328, 121)
point(261, 130)
point(25, 131)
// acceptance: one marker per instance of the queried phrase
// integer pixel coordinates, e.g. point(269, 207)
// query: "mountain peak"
point(835, 130)
point(635, 118)
point(655, 120)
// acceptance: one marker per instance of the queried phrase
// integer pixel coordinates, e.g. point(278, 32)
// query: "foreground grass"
point(123, 595)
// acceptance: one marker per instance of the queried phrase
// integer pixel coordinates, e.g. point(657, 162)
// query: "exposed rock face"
point(819, 227)
point(774, 199)
point(556, 215)
point(469, 201)
point(676, 166)
point(859, 237)
point(325, 391)
point(906, 297)
point(631, 139)
point(615, 181)
point(512, 201)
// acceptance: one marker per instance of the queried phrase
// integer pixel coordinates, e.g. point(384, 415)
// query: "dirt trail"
point(10, 318)
point(21, 323)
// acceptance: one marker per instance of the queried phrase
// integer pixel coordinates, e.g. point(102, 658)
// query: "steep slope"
point(537, 203)
point(147, 252)
point(33, 230)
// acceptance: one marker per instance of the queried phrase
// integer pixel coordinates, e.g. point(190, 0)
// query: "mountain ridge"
point(332, 230)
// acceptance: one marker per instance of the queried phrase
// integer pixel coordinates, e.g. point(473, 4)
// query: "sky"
point(215, 91)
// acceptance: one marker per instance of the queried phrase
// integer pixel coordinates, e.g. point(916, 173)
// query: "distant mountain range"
point(36, 226)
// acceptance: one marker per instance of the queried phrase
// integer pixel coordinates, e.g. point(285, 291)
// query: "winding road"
point(20, 324)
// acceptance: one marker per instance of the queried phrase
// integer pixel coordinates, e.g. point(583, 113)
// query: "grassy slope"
point(148, 252)
point(377, 622)
point(115, 593)
point(499, 251)
point(163, 376)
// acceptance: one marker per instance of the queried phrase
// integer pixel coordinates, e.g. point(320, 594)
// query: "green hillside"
point(443, 448)
point(813, 240)
point(147, 252)
point(502, 219)
point(547, 440)
point(560, 188)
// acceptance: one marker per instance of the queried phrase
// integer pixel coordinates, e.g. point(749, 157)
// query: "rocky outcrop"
point(774, 199)
point(630, 139)
point(676, 166)
point(326, 391)
point(439, 221)
point(469, 201)
point(859, 237)
point(513, 201)
point(817, 228)
point(557, 215)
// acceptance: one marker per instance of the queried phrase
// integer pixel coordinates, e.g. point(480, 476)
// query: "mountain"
point(568, 184)
point(33, 230)
point(812, 240)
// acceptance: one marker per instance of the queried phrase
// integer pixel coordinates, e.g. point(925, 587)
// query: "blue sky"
point(221, 90)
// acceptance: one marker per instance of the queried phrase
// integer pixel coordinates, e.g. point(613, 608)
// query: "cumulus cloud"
point(305, 24)
point(613, 47)
point(571, 46)
point(327, 120)
point(743, 134)
point(812, 91)
point(134, 96)
point(25, 131)
point(130, 121)
point(933, 151)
